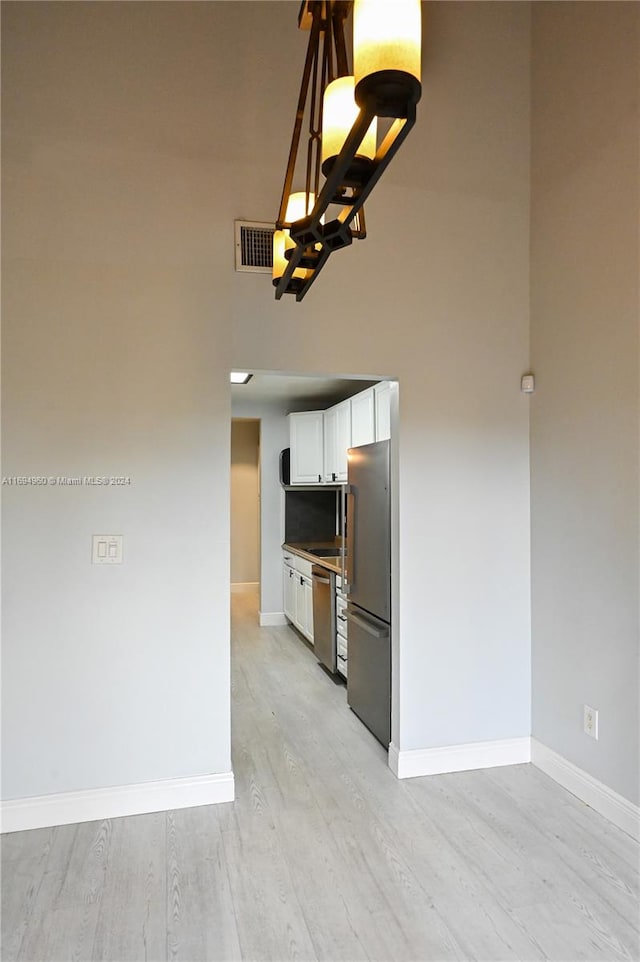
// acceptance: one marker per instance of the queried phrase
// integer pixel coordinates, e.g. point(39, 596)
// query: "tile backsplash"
point(309, 516)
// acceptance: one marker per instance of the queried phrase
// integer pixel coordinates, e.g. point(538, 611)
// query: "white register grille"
point(254, 247)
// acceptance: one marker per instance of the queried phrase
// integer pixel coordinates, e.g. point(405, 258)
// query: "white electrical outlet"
point(591, 721)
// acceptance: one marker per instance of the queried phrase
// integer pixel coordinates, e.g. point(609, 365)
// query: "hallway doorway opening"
point(245, 505)
point(274, 487)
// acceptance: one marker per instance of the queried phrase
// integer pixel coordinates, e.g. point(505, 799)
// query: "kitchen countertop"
point(332, 564)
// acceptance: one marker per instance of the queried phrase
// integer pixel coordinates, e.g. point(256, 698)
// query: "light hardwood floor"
point(324, 854)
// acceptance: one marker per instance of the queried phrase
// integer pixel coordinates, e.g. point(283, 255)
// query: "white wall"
point(245, 501)
point(438, 295)
point(116, 361)
point(584, 431)
point(274, 436)
point(125, 166)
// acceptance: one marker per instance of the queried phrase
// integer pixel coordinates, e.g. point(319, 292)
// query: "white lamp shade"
point(282, 242)
point(279, 262)
point(387, 35)
point(297, 207)
point(339, 113)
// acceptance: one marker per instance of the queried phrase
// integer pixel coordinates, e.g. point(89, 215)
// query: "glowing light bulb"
point(387, 40)
point(297, 207)
point(339, 113)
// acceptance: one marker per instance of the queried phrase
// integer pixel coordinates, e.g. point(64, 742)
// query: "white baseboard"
point(273, 619)
point(458, 758)
point(237, 587)
point(588, 789)
point(43, 811)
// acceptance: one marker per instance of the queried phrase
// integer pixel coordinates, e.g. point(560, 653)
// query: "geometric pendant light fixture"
point(356, 117)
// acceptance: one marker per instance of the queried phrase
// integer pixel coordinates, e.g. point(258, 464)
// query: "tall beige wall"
point(116, 359)
point(584, 351)
point(245, 501)
point(133, 135)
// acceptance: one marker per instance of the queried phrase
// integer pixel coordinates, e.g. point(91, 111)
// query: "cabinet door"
point(306, 441)
point(343, 438)
point(301, 605)
point(330, 443)
point(303, 597)
point(308, 603)
point(337, 438)
point(289, 592)
point(363, 418)
point(382, 393)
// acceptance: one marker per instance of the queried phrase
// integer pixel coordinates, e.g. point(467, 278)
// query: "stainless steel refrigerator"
point(368, 574)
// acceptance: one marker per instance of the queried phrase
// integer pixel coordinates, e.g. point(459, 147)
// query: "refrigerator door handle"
point(347, 558)
point(365, 625)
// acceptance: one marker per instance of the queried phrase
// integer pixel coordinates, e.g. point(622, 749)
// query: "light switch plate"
point(107, 549)
point(590, 721)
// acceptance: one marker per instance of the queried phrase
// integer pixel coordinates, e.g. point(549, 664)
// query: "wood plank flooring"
point(325, 855)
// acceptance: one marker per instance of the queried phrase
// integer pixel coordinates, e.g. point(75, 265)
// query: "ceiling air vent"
point(254, 247)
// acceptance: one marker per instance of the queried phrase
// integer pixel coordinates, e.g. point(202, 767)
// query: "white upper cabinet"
point(363, 422)
point(319, 440)
point(382, 392)
point(337, 438)
point(306, 439)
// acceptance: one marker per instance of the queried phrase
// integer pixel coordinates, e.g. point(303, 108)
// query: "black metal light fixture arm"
point(349, 180)
point(337, 233)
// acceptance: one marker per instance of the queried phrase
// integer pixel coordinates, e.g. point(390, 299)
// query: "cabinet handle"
point(319, 477)
point(301, 581)
point(333, 475)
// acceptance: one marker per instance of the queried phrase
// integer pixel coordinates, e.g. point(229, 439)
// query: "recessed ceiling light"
point(240, 377)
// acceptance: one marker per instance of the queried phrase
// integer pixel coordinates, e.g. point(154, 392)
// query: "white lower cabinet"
point(308, 605)
point(289, 591)
point(304, 606)
point(301, 605)
point(298, 594)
